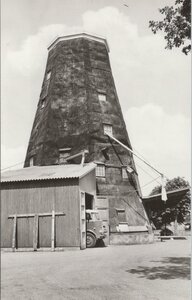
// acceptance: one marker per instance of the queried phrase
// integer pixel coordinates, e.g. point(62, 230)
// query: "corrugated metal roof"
point(170, 194)
point(47, 172)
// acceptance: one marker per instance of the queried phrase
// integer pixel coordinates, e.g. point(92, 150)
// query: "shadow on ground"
point(169, 268)
point(100, 244)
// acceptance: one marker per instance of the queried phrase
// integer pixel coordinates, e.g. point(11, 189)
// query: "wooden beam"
point(83, 158)
point(53, 231)
point(76, 155)
point(39, 215)
point(14, 232)
point(35, 227)
point(35, 232)
point(130, 150)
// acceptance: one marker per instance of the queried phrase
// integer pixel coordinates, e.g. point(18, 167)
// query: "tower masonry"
point(78, 105)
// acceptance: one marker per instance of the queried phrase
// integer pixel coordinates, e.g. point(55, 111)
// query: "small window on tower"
point(43, 103)
point(36, 128)
point(102, 97)
point(108, 129)
point(31, 161)
point(63, 154)
point(121, 215)
point(48, 75)
point(100, 170)
point(124, 174)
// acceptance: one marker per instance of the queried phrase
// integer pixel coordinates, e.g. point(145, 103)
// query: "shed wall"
point(41, 197)
point(88, 183)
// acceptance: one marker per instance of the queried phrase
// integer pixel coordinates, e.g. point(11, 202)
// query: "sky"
point(153, 84)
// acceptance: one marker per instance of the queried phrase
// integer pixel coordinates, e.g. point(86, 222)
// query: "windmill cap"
point(77, 36)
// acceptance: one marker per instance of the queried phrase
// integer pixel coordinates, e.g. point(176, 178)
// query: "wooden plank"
point(14, 232)
point(82, 221)
point(35, 232)
point(53, 231)
point(39, 214)
point(171, 237)
point(67, 199)
point(22, 216)
point(48, 249)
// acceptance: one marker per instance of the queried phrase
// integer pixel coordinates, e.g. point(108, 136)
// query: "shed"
point(44, 207)
point(154, 204)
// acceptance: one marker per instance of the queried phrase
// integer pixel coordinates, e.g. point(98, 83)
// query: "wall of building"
point(65, 112)
point(74, 116)
point(41, 197)
point(131, 238)
point(122, 194)
point(88, 183)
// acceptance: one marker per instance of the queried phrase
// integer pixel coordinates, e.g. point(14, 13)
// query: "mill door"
point(102, 206)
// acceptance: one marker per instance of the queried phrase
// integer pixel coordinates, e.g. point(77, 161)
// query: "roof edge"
point(39, 179)
point(88, 171)
point(168, 193)
point(76, 36)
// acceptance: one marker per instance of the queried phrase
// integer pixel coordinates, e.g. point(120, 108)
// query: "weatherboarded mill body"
point(78, 107)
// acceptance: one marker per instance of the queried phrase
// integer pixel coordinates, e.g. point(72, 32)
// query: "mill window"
point(121, 215)
point(43, 103)
point(102, 97)
point(36, 128)
point(48, 75)
point(31, 161)
point(124, 174)
point(46, 85)
point(100, 170)
point(63, 154)
point(108, 129)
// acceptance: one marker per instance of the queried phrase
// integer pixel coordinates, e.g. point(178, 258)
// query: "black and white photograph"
point(96, 149)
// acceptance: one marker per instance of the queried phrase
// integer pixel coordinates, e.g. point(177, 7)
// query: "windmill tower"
point(78, 105)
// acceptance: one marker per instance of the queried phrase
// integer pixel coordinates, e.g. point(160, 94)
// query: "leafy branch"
point(176, 25)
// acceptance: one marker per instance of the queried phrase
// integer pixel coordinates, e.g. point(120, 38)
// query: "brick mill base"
point(131, 238)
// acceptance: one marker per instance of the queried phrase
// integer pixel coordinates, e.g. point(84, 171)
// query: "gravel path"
point(159, 271)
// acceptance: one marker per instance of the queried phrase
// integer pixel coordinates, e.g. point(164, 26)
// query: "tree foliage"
point(171, 185)
point(176, 25)
point(172, 213)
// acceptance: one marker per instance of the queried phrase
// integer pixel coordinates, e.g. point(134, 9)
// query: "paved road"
point(158, 271)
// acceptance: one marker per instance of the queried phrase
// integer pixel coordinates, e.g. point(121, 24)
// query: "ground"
point(136, 272)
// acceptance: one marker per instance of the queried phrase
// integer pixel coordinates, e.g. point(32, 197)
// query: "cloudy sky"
point(153, 84)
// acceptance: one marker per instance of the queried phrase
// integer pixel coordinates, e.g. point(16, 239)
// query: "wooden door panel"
point(82, 221)
point(102, 206)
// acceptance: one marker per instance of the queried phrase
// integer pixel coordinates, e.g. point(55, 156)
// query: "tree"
point(176, 213)
point(176, 25)
point(171, 185)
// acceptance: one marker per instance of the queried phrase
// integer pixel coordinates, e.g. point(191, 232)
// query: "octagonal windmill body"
point(78, 105)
